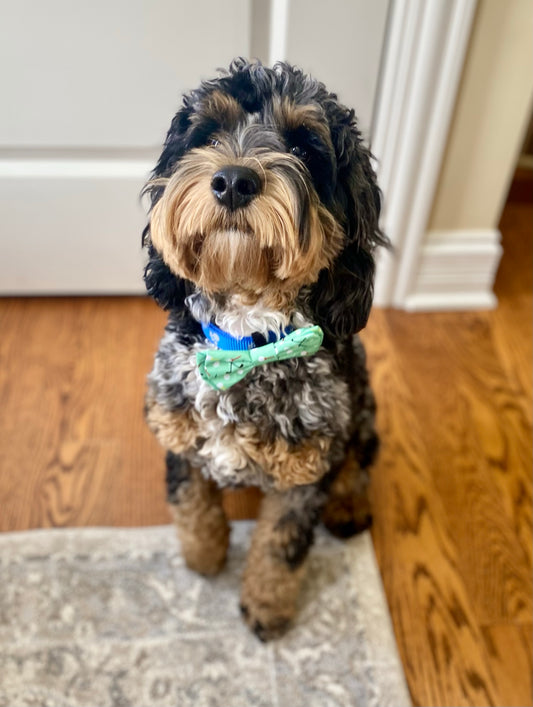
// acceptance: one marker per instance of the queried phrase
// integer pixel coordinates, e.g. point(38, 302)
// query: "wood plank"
point(510, 650)
point(480, 446)
point(242, 504)
point(468, 403)
point(435, 625)
point(75, 398)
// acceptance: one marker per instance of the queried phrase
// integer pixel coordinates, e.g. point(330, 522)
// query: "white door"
point(88, 91)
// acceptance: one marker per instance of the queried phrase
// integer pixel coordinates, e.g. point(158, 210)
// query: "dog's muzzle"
point(235, 186)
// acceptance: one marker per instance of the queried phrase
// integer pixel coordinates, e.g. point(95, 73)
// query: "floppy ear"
point(342, 297)
point(168, 290)
point(175, 141)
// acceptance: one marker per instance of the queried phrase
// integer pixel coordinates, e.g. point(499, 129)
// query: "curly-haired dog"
point(263, 224)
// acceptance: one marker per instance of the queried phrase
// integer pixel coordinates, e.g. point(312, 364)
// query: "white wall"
point(340, 42)
point(88, 91)
point(108, 73)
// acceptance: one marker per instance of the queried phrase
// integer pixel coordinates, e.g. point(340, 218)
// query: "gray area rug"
point(99, 617)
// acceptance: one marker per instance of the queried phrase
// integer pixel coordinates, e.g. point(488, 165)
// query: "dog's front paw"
point(269, 596)
point(267, 622)
point(204, 561)
point(204, 537)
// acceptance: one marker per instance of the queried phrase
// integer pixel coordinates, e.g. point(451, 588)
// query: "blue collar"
point(227, 342)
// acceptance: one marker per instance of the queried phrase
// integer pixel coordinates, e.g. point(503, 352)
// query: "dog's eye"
point(213, 142)
point(299, 152)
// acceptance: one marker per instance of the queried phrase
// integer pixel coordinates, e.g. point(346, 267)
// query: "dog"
point(261, 237)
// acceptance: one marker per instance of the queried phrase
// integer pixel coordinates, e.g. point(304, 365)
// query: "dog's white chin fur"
point(240, 319)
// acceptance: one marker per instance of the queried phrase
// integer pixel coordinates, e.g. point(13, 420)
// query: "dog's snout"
point(235, 186)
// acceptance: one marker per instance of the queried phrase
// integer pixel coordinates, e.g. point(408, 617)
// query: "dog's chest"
point(287, 402)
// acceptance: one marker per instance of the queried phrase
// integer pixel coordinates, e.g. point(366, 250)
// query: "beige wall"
point(491, 115)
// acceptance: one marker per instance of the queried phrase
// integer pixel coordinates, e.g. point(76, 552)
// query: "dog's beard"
point(230, 260)
point(268, 250)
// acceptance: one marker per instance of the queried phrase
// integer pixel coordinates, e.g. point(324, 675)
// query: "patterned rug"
point(113, 617)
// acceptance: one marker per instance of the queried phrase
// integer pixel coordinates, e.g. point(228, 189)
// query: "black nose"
point(235, 186)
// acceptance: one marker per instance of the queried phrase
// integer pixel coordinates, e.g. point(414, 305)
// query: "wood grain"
point(452, 489)
point(73, 445)
point(476, 434)
point(509, 649)
point(455, 401)
point(436, 628)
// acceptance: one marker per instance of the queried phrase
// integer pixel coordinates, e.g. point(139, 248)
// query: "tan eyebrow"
point(225, 109)
point(293, 116)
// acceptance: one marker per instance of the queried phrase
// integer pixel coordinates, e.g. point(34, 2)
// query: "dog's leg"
point(196, 505)
point(276, 560)
point(347, 510)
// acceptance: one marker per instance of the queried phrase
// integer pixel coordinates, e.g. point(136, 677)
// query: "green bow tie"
point(222, 369)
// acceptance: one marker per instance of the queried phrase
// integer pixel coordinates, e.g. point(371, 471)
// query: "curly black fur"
point(178, 473)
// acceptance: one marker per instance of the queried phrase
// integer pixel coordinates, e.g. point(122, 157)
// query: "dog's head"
point(265, 190)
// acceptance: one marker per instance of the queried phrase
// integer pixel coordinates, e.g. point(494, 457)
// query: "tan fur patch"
point(288, 465)
point(270, 588)
point(202, 526)
point(223, 108)
point(291, 116)
point(176, 431)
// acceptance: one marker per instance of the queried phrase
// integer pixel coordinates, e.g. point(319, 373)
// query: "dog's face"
point(263, 190)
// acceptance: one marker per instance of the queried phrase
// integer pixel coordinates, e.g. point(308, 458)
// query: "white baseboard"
point(456, 271)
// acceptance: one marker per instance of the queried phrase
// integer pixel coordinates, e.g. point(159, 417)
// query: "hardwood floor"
point(452, 490)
